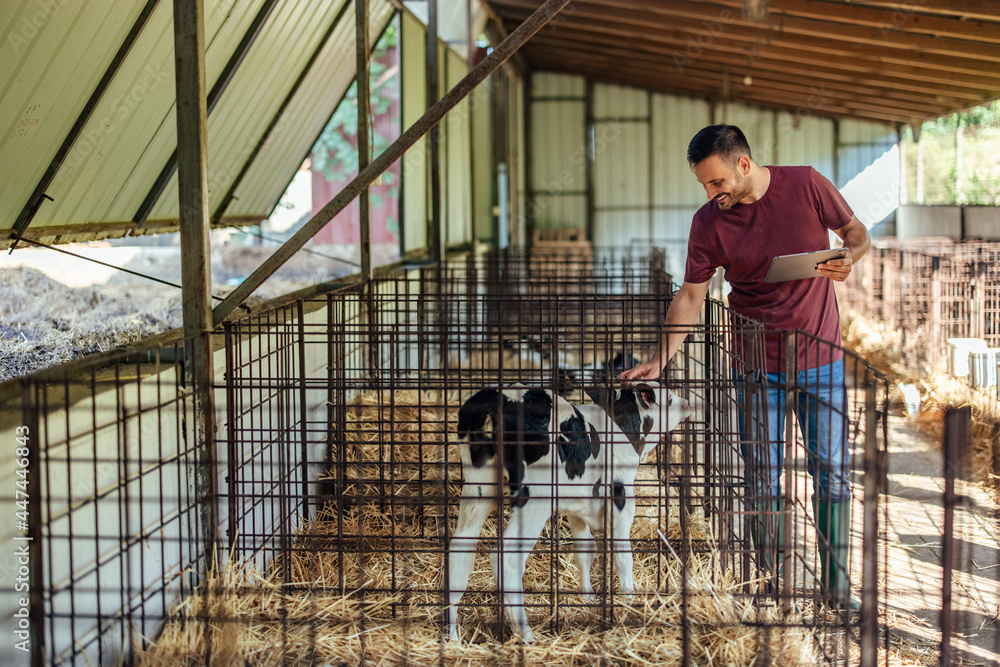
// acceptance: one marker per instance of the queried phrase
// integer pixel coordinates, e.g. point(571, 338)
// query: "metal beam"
point(196, 272)
point(434, 232)
point(362, 52)
point(37, 197)
point(489, 64)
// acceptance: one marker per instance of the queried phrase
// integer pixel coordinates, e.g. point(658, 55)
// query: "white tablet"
point(801, 265)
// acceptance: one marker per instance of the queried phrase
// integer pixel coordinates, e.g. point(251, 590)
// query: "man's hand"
point(856, 240)
point(836, 269)
point(647, 371)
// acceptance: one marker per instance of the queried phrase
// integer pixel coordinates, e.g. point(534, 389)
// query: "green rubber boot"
point(763, 527)
point(833, 535)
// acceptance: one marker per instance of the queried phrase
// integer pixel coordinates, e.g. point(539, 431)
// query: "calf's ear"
point(645, 395)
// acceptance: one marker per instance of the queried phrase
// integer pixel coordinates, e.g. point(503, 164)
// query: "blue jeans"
point(821, 410)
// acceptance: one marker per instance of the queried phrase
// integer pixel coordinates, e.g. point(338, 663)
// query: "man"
point(755, 213)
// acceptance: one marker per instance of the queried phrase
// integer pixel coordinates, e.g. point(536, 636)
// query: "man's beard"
point(743, 188)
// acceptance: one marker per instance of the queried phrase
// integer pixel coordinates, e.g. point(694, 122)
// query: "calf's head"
point(644, 408)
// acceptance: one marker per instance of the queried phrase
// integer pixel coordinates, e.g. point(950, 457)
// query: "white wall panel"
point(675, 121)
point(619, 228)
point(808, 140)
point(413, 49)
point(549, 84)
point(557, 146)
point(458, 187)
point(555, 211)
point(621, 164)
point(620, 102)
point(868, 171)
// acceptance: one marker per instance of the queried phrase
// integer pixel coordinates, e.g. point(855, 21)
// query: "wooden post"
point(196, 272)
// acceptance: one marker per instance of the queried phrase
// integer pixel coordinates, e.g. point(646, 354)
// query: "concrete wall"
point(954, 222)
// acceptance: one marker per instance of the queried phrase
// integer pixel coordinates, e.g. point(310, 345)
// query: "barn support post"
point(487, 66)
point(957, 429)
point(362, 50)
point(434, 235)
point(196, 273)
point(875, 470)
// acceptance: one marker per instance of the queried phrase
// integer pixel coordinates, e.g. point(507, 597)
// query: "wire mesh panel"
point(110, 505)
point(919, 293)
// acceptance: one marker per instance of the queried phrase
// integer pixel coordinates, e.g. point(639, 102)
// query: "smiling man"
point(755, 213)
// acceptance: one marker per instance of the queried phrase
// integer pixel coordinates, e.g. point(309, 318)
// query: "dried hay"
point(323, 605)
point(46, 323)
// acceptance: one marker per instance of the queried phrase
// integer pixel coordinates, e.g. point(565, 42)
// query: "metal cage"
point(338, 481)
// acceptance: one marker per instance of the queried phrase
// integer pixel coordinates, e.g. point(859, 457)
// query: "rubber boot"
point(763, 526)
point(833, 535)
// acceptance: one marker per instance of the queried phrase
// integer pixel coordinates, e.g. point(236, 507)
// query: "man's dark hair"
point(726, 141)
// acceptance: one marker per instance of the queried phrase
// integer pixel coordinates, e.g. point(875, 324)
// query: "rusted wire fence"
point(930, 291)
point(339, 481)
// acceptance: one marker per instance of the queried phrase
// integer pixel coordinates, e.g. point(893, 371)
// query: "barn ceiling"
point(890, 61)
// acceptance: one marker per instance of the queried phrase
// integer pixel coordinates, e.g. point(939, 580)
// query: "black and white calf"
point(579, 461)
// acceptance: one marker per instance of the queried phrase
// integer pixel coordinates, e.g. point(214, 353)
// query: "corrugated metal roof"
point(62, 51)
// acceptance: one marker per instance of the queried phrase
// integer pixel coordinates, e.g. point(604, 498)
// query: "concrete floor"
point(914, 576)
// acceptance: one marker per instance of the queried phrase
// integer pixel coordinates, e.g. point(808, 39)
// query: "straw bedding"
point(880, 347)
point(297, 613)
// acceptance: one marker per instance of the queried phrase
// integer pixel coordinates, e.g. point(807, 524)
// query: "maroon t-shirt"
point(793, 216)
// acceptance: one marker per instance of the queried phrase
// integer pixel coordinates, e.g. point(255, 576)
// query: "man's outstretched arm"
point(683, 312)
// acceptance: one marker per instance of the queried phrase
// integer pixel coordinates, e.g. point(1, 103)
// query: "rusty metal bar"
point(791, 387)
point(362, 53)
point(196, 273)
point(956, 438)
point(431, 63)
point(501, 53)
